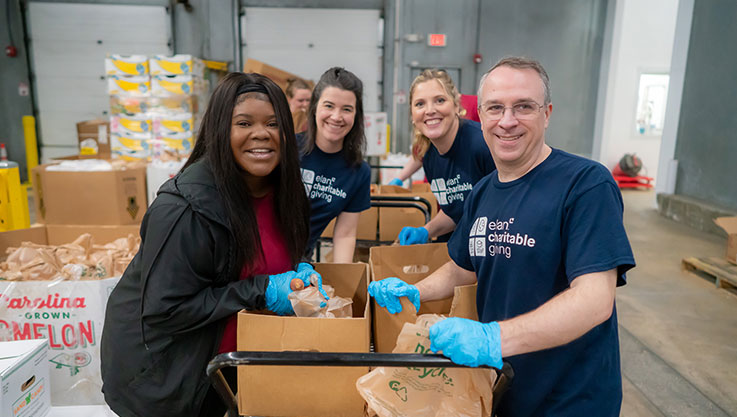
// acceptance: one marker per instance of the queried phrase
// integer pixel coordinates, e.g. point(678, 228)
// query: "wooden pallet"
point(723, 272)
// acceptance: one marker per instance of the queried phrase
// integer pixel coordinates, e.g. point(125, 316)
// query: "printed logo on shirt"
point(308, 178)
point(320, 187)
point(497, 234)
point(449, 190)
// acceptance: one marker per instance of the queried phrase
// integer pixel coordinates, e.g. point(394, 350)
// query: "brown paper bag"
point(438, 392)
point(411, 264)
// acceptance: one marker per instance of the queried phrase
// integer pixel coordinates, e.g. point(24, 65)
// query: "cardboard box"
point(177, 85)
point(411, 264)
point(60, 234)
point(115, 197)
point(311, 391)
point(116, 64)
point(94, 138)
point(137, 85)
point(137, 124)
point(180, 64)
point(24, 370)
point(367, 222)
point(277, 75)
point(729, 224)
point(393, 219)
point(73, 333)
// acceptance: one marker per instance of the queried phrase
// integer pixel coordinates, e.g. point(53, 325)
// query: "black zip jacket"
point(164, 319)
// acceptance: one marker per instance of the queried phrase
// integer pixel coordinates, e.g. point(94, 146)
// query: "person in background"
point(335, 176)
point(453, 153)
point(224, 234)
point(543, 238)
point(298, 93)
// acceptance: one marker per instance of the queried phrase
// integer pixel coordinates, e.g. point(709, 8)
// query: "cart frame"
point(295, 358)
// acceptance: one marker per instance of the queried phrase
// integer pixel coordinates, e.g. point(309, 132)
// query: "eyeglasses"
point(522, 111)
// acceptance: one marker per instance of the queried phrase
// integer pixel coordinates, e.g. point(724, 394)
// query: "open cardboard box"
point(729, 224)
point(393, 219)
point(367, 222)
point(73, 333)
point(116, 197)
point(302, 390)
point(61, 234)
point(411, 264)
point(94, 138)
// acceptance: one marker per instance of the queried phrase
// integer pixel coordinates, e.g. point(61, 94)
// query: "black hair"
point(355, 141)
point(213, 146)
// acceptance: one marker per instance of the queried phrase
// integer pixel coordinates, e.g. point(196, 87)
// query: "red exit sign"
point(436, 39)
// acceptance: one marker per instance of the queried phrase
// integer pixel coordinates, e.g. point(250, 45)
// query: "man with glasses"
point(544, 239)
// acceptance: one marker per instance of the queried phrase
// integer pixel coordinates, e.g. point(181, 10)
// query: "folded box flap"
point(729, 224)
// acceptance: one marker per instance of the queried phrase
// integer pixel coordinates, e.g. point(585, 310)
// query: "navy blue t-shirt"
point(333, 187)
point(527, 240)
point(453, 175)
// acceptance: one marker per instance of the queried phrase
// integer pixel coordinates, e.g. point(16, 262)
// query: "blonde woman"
point(452, 150)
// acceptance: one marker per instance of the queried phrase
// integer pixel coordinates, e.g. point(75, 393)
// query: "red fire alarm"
point(11, 51)
point(436, 39)
point(477, 58)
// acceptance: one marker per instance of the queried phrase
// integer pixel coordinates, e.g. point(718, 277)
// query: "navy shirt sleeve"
point(593, 234)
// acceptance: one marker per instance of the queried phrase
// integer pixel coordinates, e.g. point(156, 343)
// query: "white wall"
point(642, 42)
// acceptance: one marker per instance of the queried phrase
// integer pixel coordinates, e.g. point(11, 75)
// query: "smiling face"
point(434, 113)
point(300, 100)
point(254, 139)
point(516, 145)
point(334, 115)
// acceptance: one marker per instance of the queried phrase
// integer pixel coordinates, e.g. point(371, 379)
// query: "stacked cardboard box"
point(156, 104)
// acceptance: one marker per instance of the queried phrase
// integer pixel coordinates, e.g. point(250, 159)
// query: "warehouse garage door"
point(69, 43)
point(306, 42)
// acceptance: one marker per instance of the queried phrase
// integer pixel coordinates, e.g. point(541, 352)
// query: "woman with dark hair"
point(336, 177)
point(225, 234)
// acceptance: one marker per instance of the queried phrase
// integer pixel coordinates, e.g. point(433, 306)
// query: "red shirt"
point(275, 261)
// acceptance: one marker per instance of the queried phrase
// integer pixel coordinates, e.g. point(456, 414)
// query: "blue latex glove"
point(277, 293)
point(387, 292)
point(413, 235)
point(468, 342)
point(396, 181)
point(306, 272)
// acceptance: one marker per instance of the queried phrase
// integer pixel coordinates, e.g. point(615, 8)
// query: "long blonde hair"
point(420, 143)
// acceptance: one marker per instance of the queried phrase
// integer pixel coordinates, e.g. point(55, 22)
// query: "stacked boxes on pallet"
point(156, 104)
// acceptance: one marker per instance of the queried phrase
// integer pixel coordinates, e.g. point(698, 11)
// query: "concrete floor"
point(678, 332)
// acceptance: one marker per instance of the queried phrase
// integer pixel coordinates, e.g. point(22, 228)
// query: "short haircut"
point(520, 62)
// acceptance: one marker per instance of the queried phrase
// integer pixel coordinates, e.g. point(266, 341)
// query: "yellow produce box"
point(181, 64)
point(136, 85)
point(116, 64)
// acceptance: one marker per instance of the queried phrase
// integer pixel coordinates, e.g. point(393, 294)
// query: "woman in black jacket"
point(225, 234)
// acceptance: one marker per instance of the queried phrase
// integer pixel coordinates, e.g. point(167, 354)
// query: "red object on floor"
point(625, 181)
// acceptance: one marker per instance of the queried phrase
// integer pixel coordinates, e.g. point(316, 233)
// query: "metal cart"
point(416, 202)
point(291, 358)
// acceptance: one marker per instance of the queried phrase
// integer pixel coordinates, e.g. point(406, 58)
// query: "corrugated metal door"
point(306, 42)
point(69, 43)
